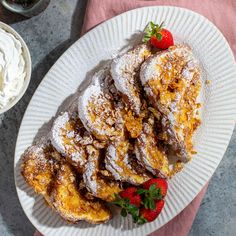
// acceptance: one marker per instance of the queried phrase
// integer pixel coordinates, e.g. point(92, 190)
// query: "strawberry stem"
point(153, 29)
point(149, 196)
point(126, 207)
point(141, 221)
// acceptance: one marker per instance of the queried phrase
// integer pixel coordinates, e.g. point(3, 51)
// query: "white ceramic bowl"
point(28, 67)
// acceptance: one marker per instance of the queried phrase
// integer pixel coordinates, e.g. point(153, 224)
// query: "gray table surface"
point(48, 35)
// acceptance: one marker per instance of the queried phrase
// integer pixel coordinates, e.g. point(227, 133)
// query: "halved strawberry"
point(130, 193)
point(159, 183)
point(148, 215)
point(129, 201)
point(144, 204)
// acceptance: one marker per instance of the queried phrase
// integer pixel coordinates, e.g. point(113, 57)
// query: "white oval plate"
point(212, 138)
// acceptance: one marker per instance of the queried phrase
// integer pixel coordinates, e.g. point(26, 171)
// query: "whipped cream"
point(12, 67)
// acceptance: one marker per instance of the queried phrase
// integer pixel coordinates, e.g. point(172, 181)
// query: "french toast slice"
point(148, 153)
point(99, 185)
point(39, 166)
point(124, 71)
point(188, 118)
point(97, 110)
point(45, 170)
point(166, 77)
point(69, 138)
point(70, 204)
point(122, 163)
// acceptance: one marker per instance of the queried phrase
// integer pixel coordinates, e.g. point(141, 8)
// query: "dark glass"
point(26, 8)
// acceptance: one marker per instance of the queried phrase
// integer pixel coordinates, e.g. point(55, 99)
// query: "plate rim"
point(84, 36)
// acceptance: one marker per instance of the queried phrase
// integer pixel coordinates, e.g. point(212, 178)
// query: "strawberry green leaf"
point(126, 207)
point(123, 212)
point(118, 202)
point(149, 203)
point(132, 208)
point(145, 39)
point(146, 203)
point(122, 202)
point(152, 25)
point(149, 196)
point(135, 217)
point(134, 211)
point(152, 188)
point(152, 205)
point(152, 29)
point(141, 191)
point(149, 31)
point(141, 221)
point(159, 36)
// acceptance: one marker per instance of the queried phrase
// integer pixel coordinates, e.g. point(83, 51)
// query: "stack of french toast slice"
point(135, 113)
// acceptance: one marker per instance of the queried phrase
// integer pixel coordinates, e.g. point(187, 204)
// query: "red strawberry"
point(159, 182)
point(131, 194)
point(148, 215)
point(157, 36)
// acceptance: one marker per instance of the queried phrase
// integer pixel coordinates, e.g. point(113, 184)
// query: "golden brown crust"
point(148, 153)
point(97, 110)
point(68, 136)
point(124, 71)
point(46, 172)
point(98, 184)
point(167, 77)
point(70, 204)
point(122, 163)
point(39, 167)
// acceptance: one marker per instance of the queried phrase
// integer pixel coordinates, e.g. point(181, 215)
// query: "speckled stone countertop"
point(48, 35)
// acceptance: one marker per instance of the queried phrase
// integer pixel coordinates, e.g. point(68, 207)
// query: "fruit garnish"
point(144, 203)
point(131, 194)
point(158, 36)
point(159, 183)
point(150, 196)
point(148, 215)
point(129, 202)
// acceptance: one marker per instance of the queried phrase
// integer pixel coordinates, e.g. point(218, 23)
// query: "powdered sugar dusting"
point(167, 76)
point(91, 167)
point(153, 66)
point(61, 130)
point(96, 108)
point(149, 69)
point(100, 110)
point(123, 71)
point(71, 134)
point(56, 135)
point(148, 152)
point(38, 150)
point(112, 158)
point(118, 164)
point(92, 91)
point(76, 157)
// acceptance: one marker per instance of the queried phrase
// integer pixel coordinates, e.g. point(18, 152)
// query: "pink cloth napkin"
point(100, 10)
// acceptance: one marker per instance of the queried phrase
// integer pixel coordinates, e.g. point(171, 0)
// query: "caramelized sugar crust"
point(46, 171)
point(171, 80)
